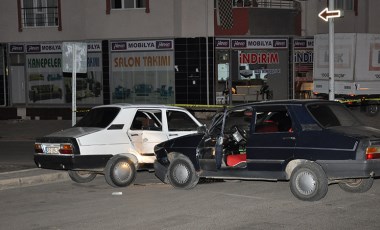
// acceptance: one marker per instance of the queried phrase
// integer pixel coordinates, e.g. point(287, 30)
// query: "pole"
point(74, 88)
point(207, 61)
point(331, 54)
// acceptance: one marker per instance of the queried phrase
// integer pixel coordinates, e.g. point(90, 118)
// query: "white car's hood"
point(75, 132)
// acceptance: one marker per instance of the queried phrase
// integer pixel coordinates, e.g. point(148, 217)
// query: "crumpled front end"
point(161, 164)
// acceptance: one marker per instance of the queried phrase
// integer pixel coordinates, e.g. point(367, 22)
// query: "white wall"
point(87, 19)
point(72, 23)
point(365, 22)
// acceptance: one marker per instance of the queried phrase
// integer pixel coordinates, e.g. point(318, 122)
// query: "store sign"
point(143, 61)
point(304, 57)
point(303, 43)
point(222, 43)
point(142, 45)
point(259, 43)
point(260, 58)
point(16, 48)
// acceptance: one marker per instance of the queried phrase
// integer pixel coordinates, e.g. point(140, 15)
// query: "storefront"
point(256, 68)
point(303, 67)
point(3, 85)
point(37, 77)
point(142, 71)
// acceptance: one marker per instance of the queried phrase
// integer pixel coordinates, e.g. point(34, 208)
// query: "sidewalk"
point(14, 174)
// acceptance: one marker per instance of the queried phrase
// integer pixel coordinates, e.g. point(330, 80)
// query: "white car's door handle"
point(134, 134)
point(171, 135)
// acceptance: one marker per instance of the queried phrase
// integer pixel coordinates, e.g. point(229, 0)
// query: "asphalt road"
point(16, 155)
point(149, 204)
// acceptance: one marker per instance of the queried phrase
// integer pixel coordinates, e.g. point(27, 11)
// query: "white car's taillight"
point(38, 148)
point(66, 149)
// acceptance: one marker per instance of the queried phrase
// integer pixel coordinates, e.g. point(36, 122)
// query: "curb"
point(17, 180)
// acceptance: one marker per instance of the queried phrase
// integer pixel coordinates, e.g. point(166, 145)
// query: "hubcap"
point(84, 174)
point(181, 173)
point(122, 171)
point(305, 183)
point(354, 182)
point(373, 109)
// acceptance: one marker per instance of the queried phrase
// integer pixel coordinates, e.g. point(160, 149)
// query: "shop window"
point(39, 13)
point(128, 4)
point(244, 3)
point(344, 4)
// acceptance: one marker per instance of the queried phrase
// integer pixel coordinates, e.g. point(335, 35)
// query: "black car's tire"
point(81, 176)
point(308, 182)
point(181, 173)
point(120, 171)
point(357, 185)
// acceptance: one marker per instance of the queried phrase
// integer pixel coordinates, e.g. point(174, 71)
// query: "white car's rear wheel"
point(81, 176)
point(120, 171)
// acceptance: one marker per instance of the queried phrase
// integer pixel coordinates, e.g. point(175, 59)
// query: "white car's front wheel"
point(120, 171)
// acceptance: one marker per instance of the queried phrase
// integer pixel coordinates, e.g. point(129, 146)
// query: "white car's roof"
point(141, 106)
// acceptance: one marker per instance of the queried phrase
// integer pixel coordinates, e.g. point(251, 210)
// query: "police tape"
point(360, 100)
point(199, 106)
point(82, 111)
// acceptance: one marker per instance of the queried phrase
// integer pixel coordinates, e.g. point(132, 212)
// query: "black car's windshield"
point(330, 115)
point(99, 117)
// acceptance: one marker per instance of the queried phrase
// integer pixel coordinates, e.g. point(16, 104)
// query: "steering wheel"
point(241, 132)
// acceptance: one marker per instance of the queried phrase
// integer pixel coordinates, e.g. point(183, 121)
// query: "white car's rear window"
point(99, 117)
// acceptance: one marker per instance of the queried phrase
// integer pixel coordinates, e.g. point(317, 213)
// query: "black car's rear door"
point(272, 140)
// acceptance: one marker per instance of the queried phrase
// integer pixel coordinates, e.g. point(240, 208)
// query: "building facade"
point(162, 52)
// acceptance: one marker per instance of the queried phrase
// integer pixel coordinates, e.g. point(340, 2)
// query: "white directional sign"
point(326, 14)
point(79, 57)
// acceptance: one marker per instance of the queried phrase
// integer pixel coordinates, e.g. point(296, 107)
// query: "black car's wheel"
point(120, 171)
point(81, 176)
point(357, 185)
point(309, 182)
point(181, 173)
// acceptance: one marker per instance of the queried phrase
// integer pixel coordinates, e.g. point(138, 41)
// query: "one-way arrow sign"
point(325, 14)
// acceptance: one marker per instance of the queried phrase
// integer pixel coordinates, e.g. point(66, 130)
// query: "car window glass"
point(180, 121)
point(147, 120)
point(275, 120)
point(98, 117)
point(330, 115)
point(240, 118)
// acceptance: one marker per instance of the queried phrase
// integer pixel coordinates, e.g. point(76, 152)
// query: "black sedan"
point(311, 143)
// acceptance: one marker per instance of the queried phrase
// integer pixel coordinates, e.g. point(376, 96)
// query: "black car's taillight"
point(373, 152)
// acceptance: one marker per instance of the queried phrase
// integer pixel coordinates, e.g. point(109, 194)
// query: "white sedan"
point(114, 140)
